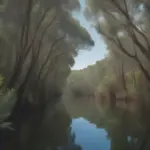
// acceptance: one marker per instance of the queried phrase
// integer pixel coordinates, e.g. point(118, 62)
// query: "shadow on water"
point(61, 129)
point(125, 128)
point(54, 133)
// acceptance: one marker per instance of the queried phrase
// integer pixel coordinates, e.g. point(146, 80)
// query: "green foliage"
point(56, 38)
point(94, 78)
point(107, 75)
point(106, 83)
point(7, 101)
point(133, 81)
point(1, 2)
point(1, 80)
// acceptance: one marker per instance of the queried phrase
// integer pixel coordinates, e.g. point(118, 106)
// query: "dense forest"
point(123, 75)
point(39, 40)
point(117, 87)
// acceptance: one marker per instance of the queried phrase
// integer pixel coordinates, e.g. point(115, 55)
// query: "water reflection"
point(53, 133)
point(117, 129)
point(89, 136)
point(127, 128)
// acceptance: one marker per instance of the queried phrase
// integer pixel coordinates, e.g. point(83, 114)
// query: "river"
point(88, 136)
point(116, 129)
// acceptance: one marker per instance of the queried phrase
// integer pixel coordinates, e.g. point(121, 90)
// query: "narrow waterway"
point(88, 136)
point(116, 129)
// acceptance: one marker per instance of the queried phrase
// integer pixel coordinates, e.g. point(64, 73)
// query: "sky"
point(88, 136)
point(97, 52)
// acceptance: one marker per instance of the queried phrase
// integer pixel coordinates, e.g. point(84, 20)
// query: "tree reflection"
point(125, 128)
point(51, 133)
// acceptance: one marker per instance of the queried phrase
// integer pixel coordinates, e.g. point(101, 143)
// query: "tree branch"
point(49, 54)
point(28, 22)
point(38, 26)
point(127, 16)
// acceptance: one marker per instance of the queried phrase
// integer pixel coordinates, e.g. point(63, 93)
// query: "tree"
point(123, 29)
point(39, 40)
point(7, 101)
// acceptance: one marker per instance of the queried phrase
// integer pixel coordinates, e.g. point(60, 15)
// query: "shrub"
point(7, 101)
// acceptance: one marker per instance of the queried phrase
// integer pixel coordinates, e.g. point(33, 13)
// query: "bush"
point(7, 101)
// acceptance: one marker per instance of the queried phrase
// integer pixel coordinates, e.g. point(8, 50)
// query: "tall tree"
point(122, 26)
point(39, 40)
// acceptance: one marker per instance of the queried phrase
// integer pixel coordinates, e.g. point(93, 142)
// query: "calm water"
point(109, 130)
point(88, 136)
